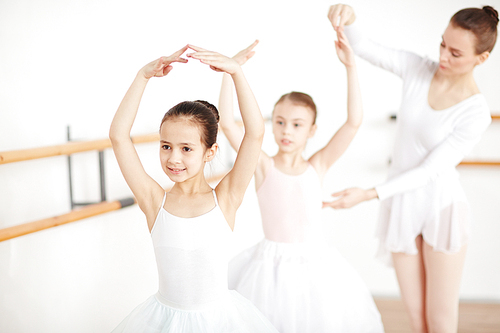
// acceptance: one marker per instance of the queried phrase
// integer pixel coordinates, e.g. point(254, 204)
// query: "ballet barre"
point(66, 149)
point(72, 216)
point(479, 163)
point(494, 116)
point(89, 209)
point(72, 148)
point(76, 215)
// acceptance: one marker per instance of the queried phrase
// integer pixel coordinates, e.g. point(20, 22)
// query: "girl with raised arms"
point(292, 276)
point(190, 224)
point(424, 215)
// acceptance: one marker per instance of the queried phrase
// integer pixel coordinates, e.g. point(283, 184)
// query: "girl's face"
point(457, 52)
point(292, 126)
point(182, 154)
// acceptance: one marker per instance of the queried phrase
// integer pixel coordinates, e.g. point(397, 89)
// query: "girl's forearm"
point(127, 111)
point(354, 101)
point(250, 112)
point(228, 125)
point(226, 102)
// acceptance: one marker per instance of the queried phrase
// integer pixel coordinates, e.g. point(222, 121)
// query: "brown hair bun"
point(491, 11)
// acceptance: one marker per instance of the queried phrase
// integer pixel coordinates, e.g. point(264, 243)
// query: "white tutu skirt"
point(304, 288)
point(438, 211)
point(232, 314)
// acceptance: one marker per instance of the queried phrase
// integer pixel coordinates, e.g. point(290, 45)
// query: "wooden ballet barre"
point(66, 149)
point(72, 148)
point(75, 215)
point(495, 116)
point(480, 163)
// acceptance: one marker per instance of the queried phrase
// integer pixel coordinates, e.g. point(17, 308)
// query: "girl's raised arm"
point(338, 144)
point(231, 189)
point(232, 131)
point(145, 189)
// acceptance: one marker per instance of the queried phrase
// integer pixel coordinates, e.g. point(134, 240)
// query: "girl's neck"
point(191, 186)
point(290, 161)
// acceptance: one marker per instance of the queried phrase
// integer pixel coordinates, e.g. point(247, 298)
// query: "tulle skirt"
point(233, 313)
point(304, 287)
point(438, 211)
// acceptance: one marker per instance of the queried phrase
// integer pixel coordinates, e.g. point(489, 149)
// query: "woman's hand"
point(350, 197)
point(216, 61)
point(344, 50)
point(162, 66)
point(340, 15)
point(242, 56)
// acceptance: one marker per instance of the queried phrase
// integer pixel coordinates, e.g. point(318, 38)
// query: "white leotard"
point(193, 296)
point(191, 255)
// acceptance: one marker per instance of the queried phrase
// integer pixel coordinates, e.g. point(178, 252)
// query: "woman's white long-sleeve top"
point(428, 142)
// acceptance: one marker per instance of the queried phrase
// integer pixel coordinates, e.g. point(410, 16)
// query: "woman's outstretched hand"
point(344, 50)
point(350, 197)
point(341, 15)
point(216, 61)
point(242, 56)
point(162, 66)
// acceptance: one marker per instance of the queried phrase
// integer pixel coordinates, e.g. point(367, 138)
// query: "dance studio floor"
point(474, 317)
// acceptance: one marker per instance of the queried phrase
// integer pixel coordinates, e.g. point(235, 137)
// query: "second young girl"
point(292, 276)
point(191, 223)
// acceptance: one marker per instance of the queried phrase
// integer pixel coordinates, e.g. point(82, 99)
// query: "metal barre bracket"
point(102, 179)
point(126, 202)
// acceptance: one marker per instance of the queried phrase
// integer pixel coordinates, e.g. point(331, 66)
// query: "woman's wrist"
point(351, 67)
point(371, 194)
point(351, 19)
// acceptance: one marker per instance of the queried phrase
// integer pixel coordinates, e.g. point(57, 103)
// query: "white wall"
point(70, 63)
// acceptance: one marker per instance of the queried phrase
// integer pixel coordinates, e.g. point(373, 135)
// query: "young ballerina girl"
point(298, 282)
point(424, 214)
point(190, 224)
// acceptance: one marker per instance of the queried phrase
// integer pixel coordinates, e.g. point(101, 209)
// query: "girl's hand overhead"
point(216, 61)
point(242, 56)
point(344, 50)
point(162, 66)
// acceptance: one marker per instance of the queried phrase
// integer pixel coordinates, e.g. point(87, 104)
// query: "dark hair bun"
point(482, 22)
point(211, 107)
point(492, 12)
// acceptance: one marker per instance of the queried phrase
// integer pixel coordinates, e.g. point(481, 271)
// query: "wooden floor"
point(473, 318)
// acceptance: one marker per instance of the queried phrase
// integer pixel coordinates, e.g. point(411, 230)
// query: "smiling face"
point(457, 52)
point(292, 126)
point(182, 153)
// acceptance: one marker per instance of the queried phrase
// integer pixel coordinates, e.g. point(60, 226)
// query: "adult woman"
point(424, 213)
